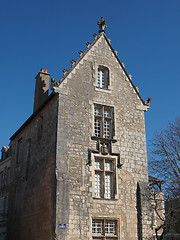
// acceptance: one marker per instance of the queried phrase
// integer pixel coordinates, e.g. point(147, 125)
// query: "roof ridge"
point(89, 46)
point(81, 56)
point(144, 102)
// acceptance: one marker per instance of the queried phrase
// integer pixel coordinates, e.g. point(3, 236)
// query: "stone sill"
point(105, 199)
point(102, 90)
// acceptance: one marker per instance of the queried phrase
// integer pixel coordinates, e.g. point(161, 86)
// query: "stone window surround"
point(106, 122)
point(1, 179)
point(114, 158)
point(3, 208)
point(93, 104)
point(28, 154)
point(103, 77)
point(95, 74)
point(104, 235)
point(19, 151)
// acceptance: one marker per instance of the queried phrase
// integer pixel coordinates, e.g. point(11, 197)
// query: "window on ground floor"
point(106, 229)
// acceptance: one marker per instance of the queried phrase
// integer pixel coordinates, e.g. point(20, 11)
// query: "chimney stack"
point(41, 89)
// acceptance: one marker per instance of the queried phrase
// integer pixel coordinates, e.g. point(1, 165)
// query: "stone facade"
point(5, 167)
point(32, 193)
point(82, 172)
point(77, 95)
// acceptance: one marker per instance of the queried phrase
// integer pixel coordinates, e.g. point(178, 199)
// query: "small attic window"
point(103, 77)
point(19, 151)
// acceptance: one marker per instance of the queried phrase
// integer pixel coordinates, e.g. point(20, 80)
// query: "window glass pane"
point(97, 127)
point(103, 83)
point(104, 229)
point(98, 185)
point(103, 121)
point(108, 186)
point(101, 79)
point(110, 227)
point(106, 113)
point(98, 164)
point(97, 227)
point(104, 178)
point(106, 129)
point(108, 166)
point(97, 111)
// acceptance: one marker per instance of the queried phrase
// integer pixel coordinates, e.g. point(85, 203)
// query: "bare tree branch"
point(165, 165)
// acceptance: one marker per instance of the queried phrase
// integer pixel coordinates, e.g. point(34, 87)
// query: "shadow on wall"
point(139, 212)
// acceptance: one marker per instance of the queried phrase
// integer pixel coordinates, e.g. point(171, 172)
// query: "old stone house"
point(79, 163)
point(5, 165)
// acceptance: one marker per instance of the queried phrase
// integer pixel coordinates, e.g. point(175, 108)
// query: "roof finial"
point(102, 25)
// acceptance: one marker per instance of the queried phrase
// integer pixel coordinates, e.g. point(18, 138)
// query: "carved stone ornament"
point(147, 102)
point(73, 61)
point(54, 83)
point(102, 25)
point(64, 71)
point(104, 147)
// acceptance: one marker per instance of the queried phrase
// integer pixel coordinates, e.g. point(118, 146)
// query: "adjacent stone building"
point(158, 209)
point(79, 163)
point(5, 166)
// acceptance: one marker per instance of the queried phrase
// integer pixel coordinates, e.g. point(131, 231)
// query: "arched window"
point(103, 77)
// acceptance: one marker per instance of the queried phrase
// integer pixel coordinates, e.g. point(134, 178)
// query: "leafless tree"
point(165, 165)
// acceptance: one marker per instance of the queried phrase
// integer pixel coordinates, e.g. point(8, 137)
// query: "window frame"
point(102, 77)
point(103, 234)
point(101, 129)
point(103, 172)
point(28, 155)
point(19, 151)
point(1, 179)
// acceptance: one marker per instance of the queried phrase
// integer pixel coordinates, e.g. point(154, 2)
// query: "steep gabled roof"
point(82, 55)
point(144, 102)
point(74, 64)
point(89, 46)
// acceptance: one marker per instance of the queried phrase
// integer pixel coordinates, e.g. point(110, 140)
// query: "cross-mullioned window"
point(104, 178)
point(103, 121)
point(105, 229)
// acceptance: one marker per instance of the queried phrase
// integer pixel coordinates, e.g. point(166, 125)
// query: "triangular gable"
point(82, 56)
point(144, 103)
point(89, 47)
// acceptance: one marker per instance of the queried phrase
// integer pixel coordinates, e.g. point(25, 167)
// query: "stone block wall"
point(32, 193)
point(75, 204)
point(53, 190)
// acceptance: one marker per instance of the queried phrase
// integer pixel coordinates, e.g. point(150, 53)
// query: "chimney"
point(41, 89)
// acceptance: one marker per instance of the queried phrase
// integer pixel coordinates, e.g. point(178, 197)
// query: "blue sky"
point(48, 34)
